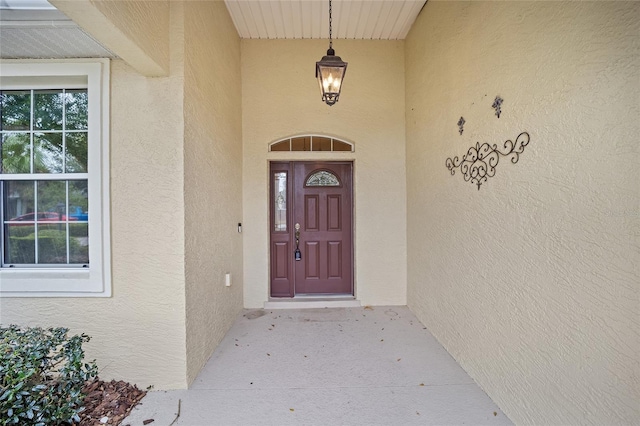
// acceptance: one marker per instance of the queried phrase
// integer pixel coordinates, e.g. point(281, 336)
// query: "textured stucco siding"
point(136, 31)
point(531, 282)
point(137, 334)
point(280, 97)
point(144, 22)
point(213, 178)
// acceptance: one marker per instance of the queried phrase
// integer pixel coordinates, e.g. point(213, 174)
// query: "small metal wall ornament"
point(461, 125)
point(480, 162)
point(497, 103)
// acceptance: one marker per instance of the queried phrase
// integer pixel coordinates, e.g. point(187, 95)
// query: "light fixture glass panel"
point(331, 78)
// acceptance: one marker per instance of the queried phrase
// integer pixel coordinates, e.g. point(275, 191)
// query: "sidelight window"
point(280, 201)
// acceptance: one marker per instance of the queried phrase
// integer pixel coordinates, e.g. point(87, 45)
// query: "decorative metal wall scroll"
point(461, 125)
point(480, 162)
point(497, 103)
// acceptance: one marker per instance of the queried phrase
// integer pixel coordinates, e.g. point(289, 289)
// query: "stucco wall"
point(280, 97)
point(213, 178)
point(139, 333)
point(146, 22)
point(531, 282)
point(136, 31)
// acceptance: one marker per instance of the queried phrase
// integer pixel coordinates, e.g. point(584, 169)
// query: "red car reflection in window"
point(30, 218)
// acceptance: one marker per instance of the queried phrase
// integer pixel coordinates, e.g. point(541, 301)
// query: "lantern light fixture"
point(330, 71)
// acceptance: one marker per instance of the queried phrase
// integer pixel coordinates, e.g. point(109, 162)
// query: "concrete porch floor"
point(333, 366)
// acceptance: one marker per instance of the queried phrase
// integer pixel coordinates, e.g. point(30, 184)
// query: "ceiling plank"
point(305, 19)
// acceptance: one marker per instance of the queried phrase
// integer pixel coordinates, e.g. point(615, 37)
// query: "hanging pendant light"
point(330, 72)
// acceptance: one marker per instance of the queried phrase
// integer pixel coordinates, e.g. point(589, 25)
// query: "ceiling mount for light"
point(330, 71)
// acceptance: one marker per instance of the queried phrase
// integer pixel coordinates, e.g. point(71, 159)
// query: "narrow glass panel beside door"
point(280, 201)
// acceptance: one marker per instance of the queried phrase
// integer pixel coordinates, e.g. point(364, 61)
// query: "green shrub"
point(42, 374)
point(52, 247)
point(21, 231)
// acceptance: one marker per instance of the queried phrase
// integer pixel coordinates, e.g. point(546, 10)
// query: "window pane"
point(280, 201)
point(280, 146)
point(341, 146)
point(52, 243)
point(19, 244)
point(79, 243)
point(15, 151)
point(301, 144)
point(52, 197)
point(76, 104)
point(52, 233)
point(76, 152)
point(321, 144)
point(15, 110)
point(19, 201)
point(47, 109)
point(47, 152)
point(78, 201)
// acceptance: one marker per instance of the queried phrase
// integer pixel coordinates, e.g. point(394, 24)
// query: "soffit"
point(35, 29)
point(309, 19)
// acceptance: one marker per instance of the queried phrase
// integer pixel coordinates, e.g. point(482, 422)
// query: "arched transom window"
point(322, 178)
point(311, 143)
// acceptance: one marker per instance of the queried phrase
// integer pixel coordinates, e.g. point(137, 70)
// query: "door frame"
point(280, 287)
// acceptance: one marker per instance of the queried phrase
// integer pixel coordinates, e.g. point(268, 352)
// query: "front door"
point(311, 228)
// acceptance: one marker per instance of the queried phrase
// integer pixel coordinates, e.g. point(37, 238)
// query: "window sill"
point(53, 283)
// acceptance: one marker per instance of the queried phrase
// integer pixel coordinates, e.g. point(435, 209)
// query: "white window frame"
point(94, 281)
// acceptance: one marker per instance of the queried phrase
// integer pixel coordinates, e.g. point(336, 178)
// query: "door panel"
point(333, 213)
point(334, 257)
point(311, 213)
point(326, 227)
point(281, 263)
point(320, 195)
point(311, 260)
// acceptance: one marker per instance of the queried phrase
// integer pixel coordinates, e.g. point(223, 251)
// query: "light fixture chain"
point(330, 20)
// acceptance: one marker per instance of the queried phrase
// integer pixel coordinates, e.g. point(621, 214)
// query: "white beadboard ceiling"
point(298, 19)
point(35, 29)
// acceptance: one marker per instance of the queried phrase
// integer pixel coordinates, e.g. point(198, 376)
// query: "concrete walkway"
point(334, 366)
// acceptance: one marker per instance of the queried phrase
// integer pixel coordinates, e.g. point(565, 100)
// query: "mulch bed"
point(108, 403)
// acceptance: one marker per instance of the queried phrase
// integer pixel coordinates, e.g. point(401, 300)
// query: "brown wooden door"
point(320, 195)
